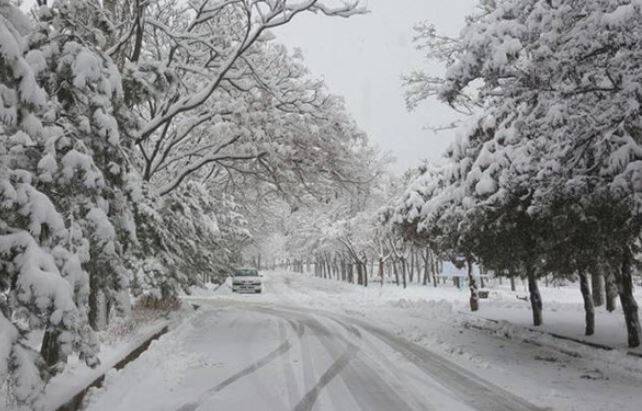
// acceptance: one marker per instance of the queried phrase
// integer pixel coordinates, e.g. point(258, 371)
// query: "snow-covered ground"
point(563, 314)
point(121, 338)
point(309, 343)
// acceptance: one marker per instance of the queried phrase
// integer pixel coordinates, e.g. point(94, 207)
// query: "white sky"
point(362, 59)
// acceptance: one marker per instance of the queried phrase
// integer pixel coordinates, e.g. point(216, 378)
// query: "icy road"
point(270, 352)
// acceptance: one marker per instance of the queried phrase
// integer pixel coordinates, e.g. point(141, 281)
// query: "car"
point(247, 280)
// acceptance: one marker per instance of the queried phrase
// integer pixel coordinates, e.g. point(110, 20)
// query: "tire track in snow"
point(306, 321)
point(291, 384)
point(391, 371)
point(282, 349)
point(471, 389)
point(460, 384)
point(463, 384)
point(310, 398)
point(365, 385)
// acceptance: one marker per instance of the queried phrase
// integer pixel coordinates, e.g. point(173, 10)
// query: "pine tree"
point(87, 168)
point(42, 283)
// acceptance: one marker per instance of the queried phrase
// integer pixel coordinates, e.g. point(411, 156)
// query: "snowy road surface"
point(268, 353)
point(313, 344)
point(303, 360)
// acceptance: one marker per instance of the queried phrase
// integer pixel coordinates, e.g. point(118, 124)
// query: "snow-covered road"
point(304, 345)
point(314, 359)
point(248, 356)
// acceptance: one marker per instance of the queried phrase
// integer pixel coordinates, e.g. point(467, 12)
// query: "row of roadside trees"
point(136, 141)
point(545, 178)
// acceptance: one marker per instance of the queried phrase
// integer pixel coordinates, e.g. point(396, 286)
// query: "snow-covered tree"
point(558, 97)
point(343, 233)
point(221, 103)
point(87, 170)
point(185, 238)
point(214, 92)
point(42, 282)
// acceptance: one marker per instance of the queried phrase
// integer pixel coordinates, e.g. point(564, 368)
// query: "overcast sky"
point(362, 59)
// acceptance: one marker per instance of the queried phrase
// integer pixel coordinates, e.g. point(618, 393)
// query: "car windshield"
point(246, 273)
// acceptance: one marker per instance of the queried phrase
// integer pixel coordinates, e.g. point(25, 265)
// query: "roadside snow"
point(116, 343)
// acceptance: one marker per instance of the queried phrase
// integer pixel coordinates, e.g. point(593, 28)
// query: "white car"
point(247, 280)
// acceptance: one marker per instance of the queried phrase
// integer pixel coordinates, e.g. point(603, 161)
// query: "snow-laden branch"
point(259, 16)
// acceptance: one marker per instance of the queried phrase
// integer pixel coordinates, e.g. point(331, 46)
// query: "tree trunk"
point(411, 274)
point(403, 271)
point(611, 292)
point(418, 266)
point(433, 270)
point(94, 306)
point(535, 297)
point(597, 282)
point(365, 272)
point(108, 304)
point(381, 265)
point(50, 349)
point(426, 258)
point(359, 274)
point(588, 304)
point(629, 305)
point(474, 297)
point(512, 284)
point(396, 272)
